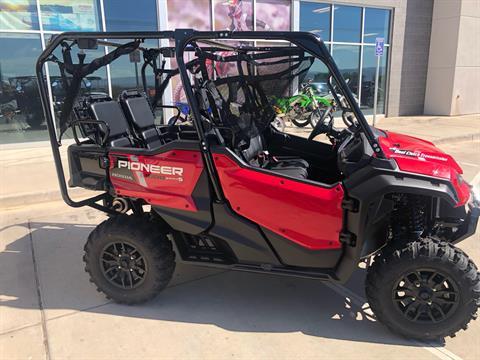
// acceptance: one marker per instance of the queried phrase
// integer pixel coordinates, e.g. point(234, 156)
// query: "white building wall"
point(454, 62)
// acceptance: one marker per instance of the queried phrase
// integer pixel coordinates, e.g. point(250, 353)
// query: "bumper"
point(469, 226)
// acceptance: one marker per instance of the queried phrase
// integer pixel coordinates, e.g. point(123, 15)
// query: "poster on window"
point(18, 15)
point(273, 15)
point(189, 14)
point(67, 15)
point(233, 15)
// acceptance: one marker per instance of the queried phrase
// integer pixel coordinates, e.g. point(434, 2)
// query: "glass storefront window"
point(125, 72)
point(347, 29)
point(189, 14)
point(273, 15)
point(318, 74)
point(70, 15)
point(377, 24)
point(127, 15)
point(347, 58)
point(94, 83)
point(368, 79)
point(21, 114)
point(234, 16)
point(347, 23)
point(18, 15)
point(315, 17)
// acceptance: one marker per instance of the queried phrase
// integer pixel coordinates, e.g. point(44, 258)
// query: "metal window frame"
point(362, 43)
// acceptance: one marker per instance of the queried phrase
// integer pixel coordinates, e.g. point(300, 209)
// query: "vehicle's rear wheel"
point(279, 124)
point(129, 258)
point(299, 116)
point(300, 122)
point(427, 289)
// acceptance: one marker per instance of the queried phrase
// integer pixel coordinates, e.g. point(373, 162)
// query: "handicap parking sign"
point(379, 44)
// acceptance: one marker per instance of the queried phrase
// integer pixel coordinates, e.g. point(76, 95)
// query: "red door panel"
point(166, 179)
point(307, 214)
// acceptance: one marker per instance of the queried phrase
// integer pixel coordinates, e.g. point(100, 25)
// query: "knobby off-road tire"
point(427, 289)
point(129, 258)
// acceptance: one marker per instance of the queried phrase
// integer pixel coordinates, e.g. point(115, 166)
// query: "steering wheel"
point(323, 125)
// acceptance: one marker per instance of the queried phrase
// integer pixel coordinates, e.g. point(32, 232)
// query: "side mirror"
point(87, 44)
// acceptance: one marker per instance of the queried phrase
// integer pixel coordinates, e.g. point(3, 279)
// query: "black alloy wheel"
point(426, 295)
point(123, 265)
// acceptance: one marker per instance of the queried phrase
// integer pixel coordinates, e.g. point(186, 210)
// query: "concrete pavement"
point(49, 310)
point(437, 129)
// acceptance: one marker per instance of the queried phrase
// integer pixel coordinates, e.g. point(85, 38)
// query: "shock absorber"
point(408, 221)
point(417, 217)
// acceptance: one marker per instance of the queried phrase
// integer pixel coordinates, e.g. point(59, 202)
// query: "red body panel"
point(423, 157)
point(166, 179)
point(309, 215)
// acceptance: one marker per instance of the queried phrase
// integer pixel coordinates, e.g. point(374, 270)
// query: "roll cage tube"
point(49, 117)
point(304, 40)
point(183, 37)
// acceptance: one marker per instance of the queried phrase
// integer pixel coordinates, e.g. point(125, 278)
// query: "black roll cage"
point(183, 38)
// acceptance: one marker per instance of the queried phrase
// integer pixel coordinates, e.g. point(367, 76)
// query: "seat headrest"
point(111, 113)
point(140, 112)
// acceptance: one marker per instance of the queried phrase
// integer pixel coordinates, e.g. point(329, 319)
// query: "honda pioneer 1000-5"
point(229, 190)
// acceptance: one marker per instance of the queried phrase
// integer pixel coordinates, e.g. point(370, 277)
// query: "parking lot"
point(50, 310)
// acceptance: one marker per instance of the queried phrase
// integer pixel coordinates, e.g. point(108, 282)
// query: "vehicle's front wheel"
point(427, 289)
point(129, 258)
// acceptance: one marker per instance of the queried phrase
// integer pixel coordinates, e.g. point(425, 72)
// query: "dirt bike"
point(299, 108)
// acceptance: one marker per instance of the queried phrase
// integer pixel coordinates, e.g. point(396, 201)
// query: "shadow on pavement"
point(233, 301)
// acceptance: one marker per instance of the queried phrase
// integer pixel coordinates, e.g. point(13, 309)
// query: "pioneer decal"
point(417, 154)
point(125, 170)
point(150, 168)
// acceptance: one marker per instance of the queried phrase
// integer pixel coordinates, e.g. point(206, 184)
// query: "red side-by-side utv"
point(225, 188)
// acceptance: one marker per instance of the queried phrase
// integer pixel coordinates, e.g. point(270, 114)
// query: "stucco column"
point(454, 61)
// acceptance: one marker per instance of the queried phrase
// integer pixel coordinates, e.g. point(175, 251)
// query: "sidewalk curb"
point(22, 199)
point(456, 139)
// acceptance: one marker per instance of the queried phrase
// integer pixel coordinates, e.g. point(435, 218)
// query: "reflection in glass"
point(95, 83)
point(377, 24)
point(347, 58)
point(315, 17)
point(234, 16)
point(184, 14)
point(67, 15)
point(347, 22)
point(318, 74)
point(18, 15)
point(273, 15)
point(127, 15)
point(368, 79)
point(21, 114)
point(125, 72)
